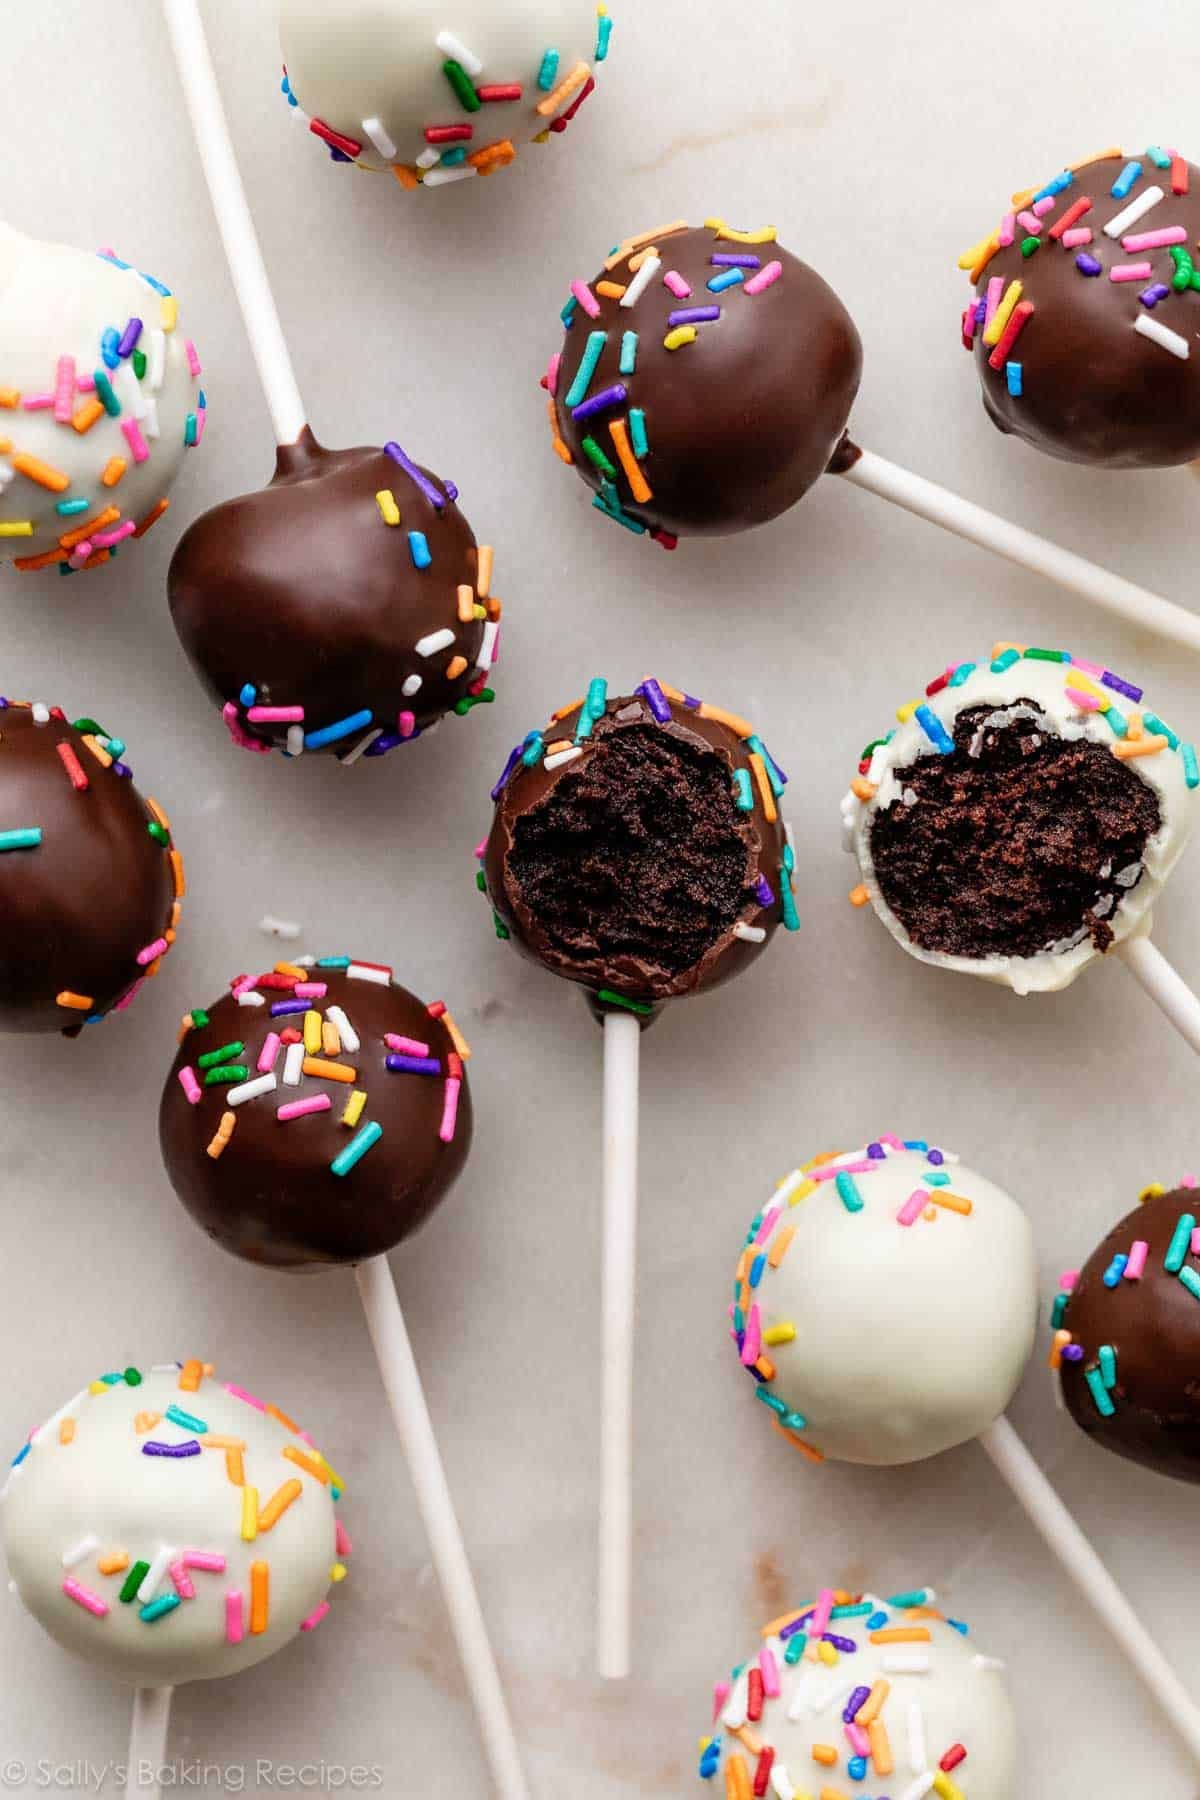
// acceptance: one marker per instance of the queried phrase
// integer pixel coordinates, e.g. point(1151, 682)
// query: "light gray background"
point(881, 140)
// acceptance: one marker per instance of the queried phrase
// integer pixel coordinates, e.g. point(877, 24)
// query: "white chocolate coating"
point(372, 70)
point(56, 302)
point(940, 1694)
point(70, 1504)
point(907, 1339)
point(1045, 683)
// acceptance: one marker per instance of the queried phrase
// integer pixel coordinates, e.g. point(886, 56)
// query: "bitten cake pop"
point(705, 380)
point(1086, 323)
point(1022, 817)
point(1127, 1335)
point(385, 88)
point(99, 398)
point(926, 1245)
point(858, 1689)
point(90, 881)
point(638, 847)
point(168, 1526)
point(345, 607)
point(315, 1115)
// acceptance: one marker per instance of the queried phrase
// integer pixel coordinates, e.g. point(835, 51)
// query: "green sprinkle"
point(1104, 1405)
point(1191, 1282)
point(633, 1006)
point(158, 1608)
point(89, 727)
point(186, 1421)
point(1058, 656)
point(481, 881)
point(1181, 1243)
point(134, 1580)
point(357, 1148)
point(139, 363)
point(212, 1059)
point(1029, 245)
point(26, 839)
point(133, 1378)
point(595, 454)
point(502, 931)
point(199, 1018)
point(229, 1076)
point(158, 834)
point(1108, 1366)
point(460, 81)
point(848, 1192)
point(797, 1644)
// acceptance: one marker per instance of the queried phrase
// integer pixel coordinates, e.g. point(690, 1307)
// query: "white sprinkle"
point(437, 640)
point(454, 48)
point(561, 757)
point(6, 475)
point(364, 743)
point(360, 972)
point(487, 649)
point(781, 1781)
point(250, 998)
point(429, 159)
point(379, 137)
point(413, 685)
point(128, 390)
point(753, 934)
point(906, 1662)
point(786, 1188)
point(992, 1663)
point(281, 928)
point(443, 177)
point(310, 962)
point(918, 1755)
point(79, 1551)
point(1162, 334)
point(1137, 209)
point(150, 425)
point(641, 281)
point(155, 1573)
point(919, 1788)
point(351, 1041)
point(41, 713)
point(156, 359)
point(293, 1064)
point(735, 1714)
point(250, 1090)
point(295, 740)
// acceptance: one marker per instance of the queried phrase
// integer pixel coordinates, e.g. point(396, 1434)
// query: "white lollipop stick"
point(1075, 573)
point(250, 279)
point(406, 1397)
point(1151, 970)
point(148, 1741)
point(622, 1045)
point(1064, 1537)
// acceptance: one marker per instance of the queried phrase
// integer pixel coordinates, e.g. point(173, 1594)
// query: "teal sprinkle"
point(1191, 768)
point(597, 697)
point(1116, 720)
point(852, 1612)
point(186, 1421)
point(1005, 660)
point(847, 1188)
point(451, 159)
point(26, 839)
point(112, 1380)
point(548, 71)
point(777, 1406)
point(535, 748)
point(906, 1602)
point(357, 1148)
point(1099, 1392)
point(115, 746)
point(333, 962)
point(1181, 1243)
point(106, 393)
point(604, 31)
point(637, 431)
point(791, 918)
point(1108, 1366)
point(934, 1178)
point(1191, 1282)
point(593, 351)
point(962, 674)
point(157, 1609)
point(629, 353)
point(773, 775)
point(1158, 157)
point(797, 1644)
point(1058, 1311)
point(744, 794)
point(68, 508)
point(568, 312)
point(191, 432)
point(739, 1317)
point(613, 511)
point(789, 860)
point(1158, 728)
point(795, 1421)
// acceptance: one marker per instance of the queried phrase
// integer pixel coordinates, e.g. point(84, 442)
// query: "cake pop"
point(90, 881)
point(171, 1527)
point(1022, 818)
point(100, 396)
point(383, 87)
point(1127, 1335)
point(315, 1115)
point(854, 1688)
point(1087, 310)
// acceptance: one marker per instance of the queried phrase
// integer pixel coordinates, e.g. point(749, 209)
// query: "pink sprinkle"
point(678, 286)
point(481, 849)
point(406, 724)
point(1008, 230)
point(1196, 1241)
point(1087, 702)
point(770, 1220)
point(858, 1740)
point(296, 1109)
point(1139, 271)
point(1154, 240)
point(1067, 1280)
point(75, 1590)
point(995, 289)
point(306, 1437)
point(1187, 1181)
point(234, 1632)
point(38, 402)
point(193, 358)
point(184, 1585)
point(818, 1625)
point(276, 715)
point(81, 554)
point(405, 1046)
point(770, 1673)
point(241, 1394)
point(241, 738)
point(1032, 225)
point(752, 1343)
point(1078, 234)
point(132, 433)
point(242, 985)
point(85, 384)
point(1135, 1267)
point(201, 422)
point(764, 279)
point(342, 1539)
point(310, 990)
point(152, 951)
point(1089, 668)
point(721, 1693)
point(913, 1207)
point(314, 1618)
point(268, 1056)
point(107, 540)
point(209, 1560)
point(586, 299)
point(1043, 206)
point(832, 1170)
point(190, 1086)
point(129, 998)
point(889, 1137)
point(64, 390)
point(552, 369)
point(450, 1110)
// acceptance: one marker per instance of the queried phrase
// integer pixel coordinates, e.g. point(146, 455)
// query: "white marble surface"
point(880, 139)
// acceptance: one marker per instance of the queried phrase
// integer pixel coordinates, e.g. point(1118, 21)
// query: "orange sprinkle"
point(146, 1421)
point(66, 1431)
point(750, 1739)
point(766, 1368)
point(113, 1562)
point(985, 256)
point(114, 468)
point(784, 1620)
point(1061, 1340)
point(618, 431)
point(635, 262)
point(190, 1376)
point(738, 726)
point(770, 809)
point(1100, 156)
point(832, 1793)
point(331, 1039)
point(157, 812)
point(743, 1266)
point(39, 562)
point(177, 871)
point(152, 517)
point(779, 1247)
point(456, 1037)
point(492, 608)
point(560, 449)
point(643, 238)
point(870, 1707)
point(216, 1440)
point(564, 90)
point(809, 1450)
point(859, 895)
point(77, 1002)
point(483, 578)
point(737, 1779)
point(902, 1634)
point(278, 1504)
point(825, 1754)
point(311, 1466)
point(10, 398)
point(881, 1747)
point(1000, 648)
point(260, 1595)
point(564, 712)
point(407, 177)
point(930, 1214)
point(456, 667)
point(85, 416)
point(863, 789)
point(1134, 726)
point(235, 1468)
point(224, 1130)
point(42, 472)
point(611, 290)
point(494, 156)
point(952, 1202)
point(109, 516)
point(466, 603)
point(1125, 749)
point(328, 1071)
point(288, 1424)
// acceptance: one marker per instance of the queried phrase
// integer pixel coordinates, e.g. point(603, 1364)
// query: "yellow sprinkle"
point(249, 1514)
point(312, 1032)
point(168, 312)
point(827, 1653)
point(337, 1572)
point(904, 713)
point(385, 500)
point(96, 1388)
point(766, 234)
point(17, 528)
point(970, 257)
point(802, 1192)
point(995, 331)
point(779, 1334)
point(354, 1107)
point(946, 1789)
point(1151, 1193)
point(682, 334)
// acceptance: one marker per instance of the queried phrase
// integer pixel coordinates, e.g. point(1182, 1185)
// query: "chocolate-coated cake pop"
point(638, 847)
point(1127, 1335)
point(345, 607)
point(1022, 817)
point(315, 1115)
point(90, 881)
point(1087, 313)
point(168, 1526)
point(705, 380)
point(100, 397)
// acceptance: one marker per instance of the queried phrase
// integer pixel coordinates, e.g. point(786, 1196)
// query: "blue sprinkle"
point(856, 1768)
point(1057, 186)
point(916, 1144)
point(1130, 174)
point(19, 1458)
point(332, 734)
point(1114, 1271)
point(108, 347)
point(936, 732)
point(1014, 375)
point(957, 1625)
point(877, 1621)
point(248, 695)
point(726, 279)
point(757, 1267)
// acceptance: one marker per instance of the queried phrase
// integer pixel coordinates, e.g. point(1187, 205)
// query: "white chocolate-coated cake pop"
point(886, 1301)
point(886, 1692)
point(1022, 817)
point(99, 398)
point(172, 1527)
point(438, 95)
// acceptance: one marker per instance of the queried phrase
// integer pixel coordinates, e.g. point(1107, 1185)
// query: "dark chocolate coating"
point(1153, 1324)
point(271, 1197)
point(739, 423)
point(77, 909)
point(627, 868)
point(1094, 389)
point(303, 592)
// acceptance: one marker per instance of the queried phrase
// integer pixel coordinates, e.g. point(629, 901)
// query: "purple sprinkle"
point(338, 155)
point(694, 315)
point(789, 1631)
point(857, 1698)
point(123, 769)
point(656, 700)
point(844, 1646)
point(736, 262)
point(1152, 295)
point(388, 741)
point(1087, 265)
point(434, 495)
point(451, 491)
point(152, 1448)
point(610, 396)
point(981, 312)
point(280, 1007)
point(691, 702)
point(129, 337)
point(877, 1151)
point(936, 1158)
point(509, 766)
point(1073, 1352)
point(1109, 680)
point(762, 889)
point(414, 1065)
